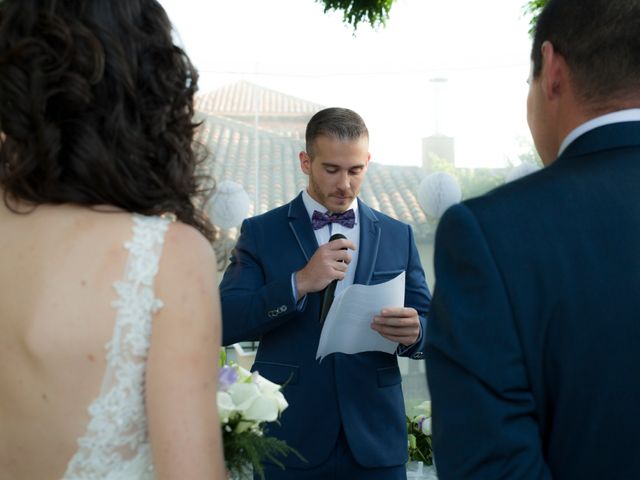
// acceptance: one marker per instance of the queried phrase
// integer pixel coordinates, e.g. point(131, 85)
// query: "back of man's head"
point(600, 42)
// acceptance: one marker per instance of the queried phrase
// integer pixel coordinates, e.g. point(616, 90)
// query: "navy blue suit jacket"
point(533, 351)
point(361, 392)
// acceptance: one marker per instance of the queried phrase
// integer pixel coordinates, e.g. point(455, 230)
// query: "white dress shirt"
point(323, 234)
point(629, 115)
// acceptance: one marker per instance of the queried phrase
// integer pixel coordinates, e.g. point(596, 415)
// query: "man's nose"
point(343, 181)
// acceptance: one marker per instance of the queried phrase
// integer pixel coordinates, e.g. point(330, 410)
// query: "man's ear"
point(305, 162)
point(366, 165)
point(555, 72)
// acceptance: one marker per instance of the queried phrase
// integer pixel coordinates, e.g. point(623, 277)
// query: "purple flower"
point(227, 376)
point(423, 423)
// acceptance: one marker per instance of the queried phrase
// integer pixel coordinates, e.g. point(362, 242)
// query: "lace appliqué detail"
point(115, 445)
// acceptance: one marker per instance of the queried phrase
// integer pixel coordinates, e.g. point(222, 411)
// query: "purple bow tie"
point(346, 219)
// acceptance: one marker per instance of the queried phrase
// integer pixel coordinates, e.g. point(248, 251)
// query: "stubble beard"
point(316, 192)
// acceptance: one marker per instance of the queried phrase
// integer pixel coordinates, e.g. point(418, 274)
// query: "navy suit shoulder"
point(532, 312)
point(255, 290)
point(273, 214)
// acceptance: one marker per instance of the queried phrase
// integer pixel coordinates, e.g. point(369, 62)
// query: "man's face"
point(336, 171)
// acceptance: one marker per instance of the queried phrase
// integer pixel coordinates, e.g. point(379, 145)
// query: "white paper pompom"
point(437, 192)
point(229, 206)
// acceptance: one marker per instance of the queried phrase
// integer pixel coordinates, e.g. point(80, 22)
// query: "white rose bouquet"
point(246, 401)
point(419, 429)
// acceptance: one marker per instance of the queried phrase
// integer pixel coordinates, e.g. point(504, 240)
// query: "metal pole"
point(437, 94)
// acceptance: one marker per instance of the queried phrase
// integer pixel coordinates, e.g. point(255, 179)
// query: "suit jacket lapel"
point(369, 243)
point(301, 227)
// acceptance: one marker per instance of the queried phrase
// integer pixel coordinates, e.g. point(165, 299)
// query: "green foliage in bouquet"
point(252, 448)
point(246, 402)
point(419, 433)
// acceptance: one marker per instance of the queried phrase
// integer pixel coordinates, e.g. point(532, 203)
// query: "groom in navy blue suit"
point(533, 347)
point(346, 414)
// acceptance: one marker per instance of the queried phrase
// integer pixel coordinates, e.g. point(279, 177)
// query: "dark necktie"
point(346, 219)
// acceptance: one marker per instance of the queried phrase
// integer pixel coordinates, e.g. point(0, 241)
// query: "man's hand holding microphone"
point(327, 266)
point(328, 263)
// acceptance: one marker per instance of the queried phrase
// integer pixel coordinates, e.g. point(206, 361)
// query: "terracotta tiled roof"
point(244, 98)
point(265, 162)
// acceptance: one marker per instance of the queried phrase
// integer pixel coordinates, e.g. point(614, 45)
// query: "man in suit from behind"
point(533, 347)
point(346, 414)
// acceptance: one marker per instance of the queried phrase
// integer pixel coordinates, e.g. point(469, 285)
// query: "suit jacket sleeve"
point(484, 415)
point(416, 296)
point(250, 305)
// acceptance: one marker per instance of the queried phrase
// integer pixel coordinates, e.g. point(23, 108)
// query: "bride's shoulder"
point(187, 285)
point(185, 243)
point(188, 259)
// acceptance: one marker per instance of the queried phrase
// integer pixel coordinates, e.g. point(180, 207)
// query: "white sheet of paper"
point(347, 328)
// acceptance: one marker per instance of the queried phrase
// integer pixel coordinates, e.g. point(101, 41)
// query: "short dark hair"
point(96, 107)
point(339, 123)
point(599, 40)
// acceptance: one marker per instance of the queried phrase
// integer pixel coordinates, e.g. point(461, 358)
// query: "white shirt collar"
point(629, 115)
point(311, 205)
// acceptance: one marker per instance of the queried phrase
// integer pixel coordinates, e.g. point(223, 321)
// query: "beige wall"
point(426, 258)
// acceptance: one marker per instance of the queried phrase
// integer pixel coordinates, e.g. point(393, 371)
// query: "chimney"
point(437, 145)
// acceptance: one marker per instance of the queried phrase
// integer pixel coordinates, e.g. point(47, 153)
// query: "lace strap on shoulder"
point(136, 294)
point(116, 438)
point(145, 249)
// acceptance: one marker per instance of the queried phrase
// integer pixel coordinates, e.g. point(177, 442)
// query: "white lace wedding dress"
point(115, 445)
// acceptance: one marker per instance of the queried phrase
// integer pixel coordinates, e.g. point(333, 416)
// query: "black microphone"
point(327, 298)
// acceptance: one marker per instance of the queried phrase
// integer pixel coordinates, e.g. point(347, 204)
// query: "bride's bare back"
point(58, 266)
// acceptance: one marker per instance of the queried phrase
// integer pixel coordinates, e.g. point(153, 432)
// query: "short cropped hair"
point(599, 40)
point(338, 123)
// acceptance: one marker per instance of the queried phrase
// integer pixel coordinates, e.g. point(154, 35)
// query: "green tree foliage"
point(478, 181)
point(376, 12)
point(472, 181)
point(533, 8)
point(354, 12)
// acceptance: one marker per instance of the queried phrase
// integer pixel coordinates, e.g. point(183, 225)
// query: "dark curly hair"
point(96, 107)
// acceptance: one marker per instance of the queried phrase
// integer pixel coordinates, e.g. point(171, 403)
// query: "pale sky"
point(481, 48)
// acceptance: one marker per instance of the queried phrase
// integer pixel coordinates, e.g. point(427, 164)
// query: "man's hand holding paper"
point(398, 324)
point(348, 327)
